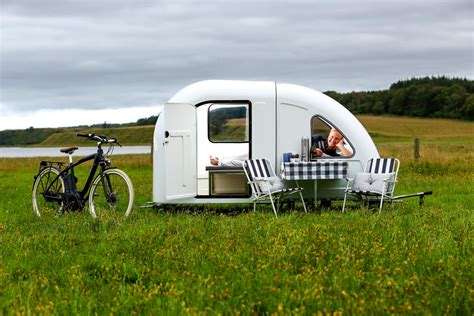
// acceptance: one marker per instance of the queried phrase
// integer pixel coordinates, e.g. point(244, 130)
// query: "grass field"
point(217, 260)
point(385, 129)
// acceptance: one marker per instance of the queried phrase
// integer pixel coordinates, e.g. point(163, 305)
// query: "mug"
point(286, 157)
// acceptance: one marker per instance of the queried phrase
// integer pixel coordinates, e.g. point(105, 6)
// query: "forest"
point(434, 97)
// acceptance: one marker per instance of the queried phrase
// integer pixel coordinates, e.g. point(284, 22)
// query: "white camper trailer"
point(247, 119)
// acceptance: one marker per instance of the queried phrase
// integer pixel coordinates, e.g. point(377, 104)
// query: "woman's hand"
point(340, 145)
point(344, 151)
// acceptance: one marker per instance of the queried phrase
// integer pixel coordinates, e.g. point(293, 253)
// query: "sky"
point(70, 62)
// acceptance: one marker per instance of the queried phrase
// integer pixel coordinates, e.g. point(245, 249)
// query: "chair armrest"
point(256, 181)
point(349, 180)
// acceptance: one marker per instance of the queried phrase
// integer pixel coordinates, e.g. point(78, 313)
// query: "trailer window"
point(228, 123)
point(327, 139)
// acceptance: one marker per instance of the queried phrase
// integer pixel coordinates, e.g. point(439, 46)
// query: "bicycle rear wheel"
point(111, 193)
point(47, 191)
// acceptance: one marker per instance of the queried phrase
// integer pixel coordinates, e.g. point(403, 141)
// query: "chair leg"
point(302, 201)
point(381, 204)
point(344, 203)
point(254, 206)
point(273, 205)
point(381, 198)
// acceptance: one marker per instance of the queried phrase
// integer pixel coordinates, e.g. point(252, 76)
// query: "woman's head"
point(334, 138)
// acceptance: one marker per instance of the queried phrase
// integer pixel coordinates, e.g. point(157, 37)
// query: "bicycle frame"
point(99, 161)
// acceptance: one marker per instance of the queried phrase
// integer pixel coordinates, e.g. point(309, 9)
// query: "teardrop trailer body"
point(246, 119)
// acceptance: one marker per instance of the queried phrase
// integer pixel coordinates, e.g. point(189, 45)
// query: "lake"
point(17, 152)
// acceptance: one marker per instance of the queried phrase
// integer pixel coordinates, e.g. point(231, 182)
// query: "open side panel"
point(293, 123)
point(180, 151)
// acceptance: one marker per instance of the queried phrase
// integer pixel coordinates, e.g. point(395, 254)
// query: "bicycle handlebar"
point(100, 138)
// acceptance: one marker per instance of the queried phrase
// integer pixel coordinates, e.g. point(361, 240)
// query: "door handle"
point(167, 136)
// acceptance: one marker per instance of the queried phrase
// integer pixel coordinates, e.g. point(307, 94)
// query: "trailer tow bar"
point(148, 205)
point(420, 194)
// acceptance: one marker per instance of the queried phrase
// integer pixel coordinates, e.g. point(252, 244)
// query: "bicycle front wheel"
point(47, 189)
point(111, 192)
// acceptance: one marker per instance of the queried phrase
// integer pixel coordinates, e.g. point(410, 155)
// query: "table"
point(314, 170)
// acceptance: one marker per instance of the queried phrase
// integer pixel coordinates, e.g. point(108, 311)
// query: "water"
point(17, 152)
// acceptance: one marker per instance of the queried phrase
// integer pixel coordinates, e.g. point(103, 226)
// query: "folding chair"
point(266, 185)
point(376, 182)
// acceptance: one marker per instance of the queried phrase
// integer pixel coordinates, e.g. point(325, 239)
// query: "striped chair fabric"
point(379, 167)
point(261, 170)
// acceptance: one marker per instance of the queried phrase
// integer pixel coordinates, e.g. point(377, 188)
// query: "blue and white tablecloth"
point(313, 170)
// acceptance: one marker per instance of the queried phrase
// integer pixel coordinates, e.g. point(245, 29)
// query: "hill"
point(134, 135)
point(128, 133)
point(29, 136)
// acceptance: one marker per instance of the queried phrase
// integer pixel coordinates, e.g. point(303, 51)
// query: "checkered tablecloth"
point(314, 170)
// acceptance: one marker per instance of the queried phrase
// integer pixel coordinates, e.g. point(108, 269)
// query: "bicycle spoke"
point(113, 193)
point(43, 189)
point(42, 185)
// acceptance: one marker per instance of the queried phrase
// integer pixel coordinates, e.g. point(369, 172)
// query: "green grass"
point(202, 261)
point(354, 262)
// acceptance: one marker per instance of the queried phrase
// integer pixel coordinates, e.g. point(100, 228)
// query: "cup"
point(286, 157)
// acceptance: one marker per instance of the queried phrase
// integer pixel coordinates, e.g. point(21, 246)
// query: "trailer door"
point(180, 151)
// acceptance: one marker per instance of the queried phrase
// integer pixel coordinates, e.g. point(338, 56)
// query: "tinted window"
point(325, 137)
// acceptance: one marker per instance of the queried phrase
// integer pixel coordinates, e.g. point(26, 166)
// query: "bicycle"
point(55, 185)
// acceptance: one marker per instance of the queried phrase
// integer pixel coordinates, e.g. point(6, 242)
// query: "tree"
point(441, 97)
point(467, 112)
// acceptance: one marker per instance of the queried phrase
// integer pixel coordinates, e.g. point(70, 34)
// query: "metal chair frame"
point(389, 166)
point(260, 170)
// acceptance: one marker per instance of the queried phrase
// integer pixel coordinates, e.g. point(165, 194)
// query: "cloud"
point(121, 54)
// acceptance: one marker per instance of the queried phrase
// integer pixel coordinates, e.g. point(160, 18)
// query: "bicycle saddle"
point(68, 150)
